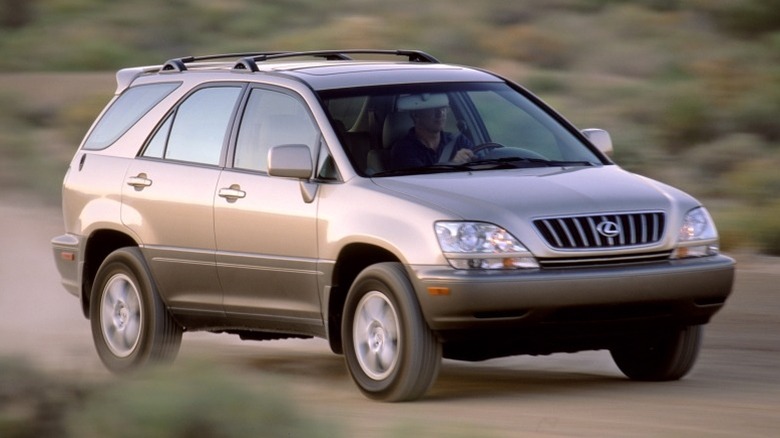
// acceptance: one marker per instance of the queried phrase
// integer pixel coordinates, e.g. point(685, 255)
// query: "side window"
point(196, 131)
point(326, 167)
point(125, 111)
point(156, 147)
point(271, 118)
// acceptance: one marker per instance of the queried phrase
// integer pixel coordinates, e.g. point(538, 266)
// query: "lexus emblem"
point(608, 228)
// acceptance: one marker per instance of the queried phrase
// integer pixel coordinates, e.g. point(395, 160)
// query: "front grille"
point(602, 230)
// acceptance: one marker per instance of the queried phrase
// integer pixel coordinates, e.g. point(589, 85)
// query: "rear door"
point(168, 197)
point(266, 233)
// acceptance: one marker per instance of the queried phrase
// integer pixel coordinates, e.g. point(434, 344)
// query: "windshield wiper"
point(541, 162)
point(488, 164)
point(434, 168)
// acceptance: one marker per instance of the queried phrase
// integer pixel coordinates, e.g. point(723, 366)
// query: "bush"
point(758, 112)
point(183, 401)
point(196, 401)
point(31, 404)
point(726, 153)
point(766, 228)
point(74, 119)
point(757, 181)
point(749, 17)
point(530, 44)
point(686, 118)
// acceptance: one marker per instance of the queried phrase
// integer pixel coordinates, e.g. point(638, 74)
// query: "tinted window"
point(126, 110)
point(156, 147)
point(196, 131)
point(511, 124)
point(377, 126)
point(271, 119)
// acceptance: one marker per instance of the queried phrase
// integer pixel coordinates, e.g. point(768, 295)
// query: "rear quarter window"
point(125, 111)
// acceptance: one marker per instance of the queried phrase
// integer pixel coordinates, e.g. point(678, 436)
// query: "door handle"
point(232, 193)
point(139, 182)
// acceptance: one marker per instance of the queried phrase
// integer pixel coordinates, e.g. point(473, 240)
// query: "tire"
point(668, 356)
point(390, 352)
point(130, 325)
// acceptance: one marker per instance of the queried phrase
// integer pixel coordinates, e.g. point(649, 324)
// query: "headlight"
point(478, 245)
point(697, 236)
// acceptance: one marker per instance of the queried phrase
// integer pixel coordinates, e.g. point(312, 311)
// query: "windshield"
point(425, 128)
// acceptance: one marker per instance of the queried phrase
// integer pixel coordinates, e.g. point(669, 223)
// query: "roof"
point(350, 74)
point(329, 69)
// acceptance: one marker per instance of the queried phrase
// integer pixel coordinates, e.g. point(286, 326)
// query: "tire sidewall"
point(390, 280)
point(669, 355)
point(127, 261)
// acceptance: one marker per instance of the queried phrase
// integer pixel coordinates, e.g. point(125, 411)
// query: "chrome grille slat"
point(617, 230)
point(581, 231)
point(593, 232)
point(566, 231)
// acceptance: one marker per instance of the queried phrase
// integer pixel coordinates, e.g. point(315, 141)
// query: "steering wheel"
point(485, 147)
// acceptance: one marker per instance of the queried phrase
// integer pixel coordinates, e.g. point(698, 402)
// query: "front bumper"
point(684, 292)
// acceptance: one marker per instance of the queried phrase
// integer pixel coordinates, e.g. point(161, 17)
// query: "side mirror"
point(290, 161)
point(600, 138)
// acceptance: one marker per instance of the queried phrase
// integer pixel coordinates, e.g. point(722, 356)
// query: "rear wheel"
point(669, 355)
point(130, 325)
point(390, 352)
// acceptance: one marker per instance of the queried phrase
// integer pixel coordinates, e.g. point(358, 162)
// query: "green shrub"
point(765, 228)
point(194, 401)
point(182, 401)
point(75, 119)
point(31, 403)
point(527, 43)
point(757, 181)
point(751, 227)
point(726, 153)
point(686, 118)
point(749, 17)
point(758, 111)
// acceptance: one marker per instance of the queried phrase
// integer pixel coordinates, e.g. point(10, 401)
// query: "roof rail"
point(249, 62)
point(180, 64)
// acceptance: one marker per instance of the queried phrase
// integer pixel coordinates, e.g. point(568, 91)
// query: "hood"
point(511, 198)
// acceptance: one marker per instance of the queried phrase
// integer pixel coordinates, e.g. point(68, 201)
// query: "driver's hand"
point(463, 156)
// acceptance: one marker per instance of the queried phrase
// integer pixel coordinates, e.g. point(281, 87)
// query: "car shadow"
point(520, 376)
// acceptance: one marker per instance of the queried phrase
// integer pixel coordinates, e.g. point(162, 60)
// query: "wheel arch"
point(99, 245)
point(352, 259)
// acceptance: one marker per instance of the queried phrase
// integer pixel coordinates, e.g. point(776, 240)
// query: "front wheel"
point(390, 352)
point(667, 355)
point(130, 324)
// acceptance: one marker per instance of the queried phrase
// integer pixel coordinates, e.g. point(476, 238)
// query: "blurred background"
point(689, 89)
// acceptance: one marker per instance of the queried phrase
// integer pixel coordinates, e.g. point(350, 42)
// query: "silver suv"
point(403, 209)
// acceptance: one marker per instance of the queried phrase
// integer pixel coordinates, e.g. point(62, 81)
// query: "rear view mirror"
point(290, 161)
point(600, 138)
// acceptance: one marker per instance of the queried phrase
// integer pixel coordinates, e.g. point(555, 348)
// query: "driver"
point(427, 142)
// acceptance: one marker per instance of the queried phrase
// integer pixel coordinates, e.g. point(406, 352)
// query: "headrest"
point(413, 102)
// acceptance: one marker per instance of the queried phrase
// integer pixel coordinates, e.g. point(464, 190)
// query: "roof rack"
point(249, 63)
point(180, 64)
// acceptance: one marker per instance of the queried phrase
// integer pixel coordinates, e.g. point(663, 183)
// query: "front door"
point(266, 233)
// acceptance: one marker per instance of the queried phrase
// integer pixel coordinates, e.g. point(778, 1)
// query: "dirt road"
point(734, 390)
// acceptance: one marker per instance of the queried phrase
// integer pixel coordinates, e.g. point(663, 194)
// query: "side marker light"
point(438, 291)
